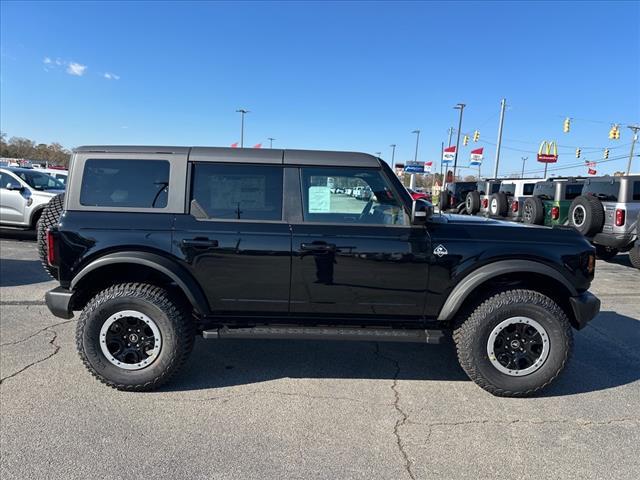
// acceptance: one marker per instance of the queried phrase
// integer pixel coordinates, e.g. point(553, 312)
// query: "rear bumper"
point(614, 240)
point(58, 301)
point(585, 307)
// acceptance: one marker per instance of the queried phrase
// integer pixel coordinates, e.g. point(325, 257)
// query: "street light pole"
point(450, 133)
point(635, 129)
point(524, 160)
point(271, 142)
point(503, 104)
point(412, 181)
point(460, 107)
point(393, 155)
point(242, 112)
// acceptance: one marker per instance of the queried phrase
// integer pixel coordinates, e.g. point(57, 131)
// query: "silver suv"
point(607, 213)
point(24, 193)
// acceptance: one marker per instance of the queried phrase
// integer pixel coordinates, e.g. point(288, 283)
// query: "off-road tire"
point(634, 255)
point(606, 253)
point(172, 317)
point(502, 206)
point(444, 201)
point(472, 203)
point(593, 215)
point(537, 211)
point(472, 334)
point(50, 217)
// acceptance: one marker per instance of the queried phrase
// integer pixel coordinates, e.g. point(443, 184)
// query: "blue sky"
point(335, 76)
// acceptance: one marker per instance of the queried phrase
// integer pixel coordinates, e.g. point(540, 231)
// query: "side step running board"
point(330, 333)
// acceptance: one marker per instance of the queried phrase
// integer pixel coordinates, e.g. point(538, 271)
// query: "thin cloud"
point(76, 69)
point(47, 61)
point(111, 76)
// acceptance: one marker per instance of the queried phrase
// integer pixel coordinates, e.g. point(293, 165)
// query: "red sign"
point(544, 158)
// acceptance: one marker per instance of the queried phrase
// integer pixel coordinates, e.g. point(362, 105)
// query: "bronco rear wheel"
point(515, 343)
point(134, 336)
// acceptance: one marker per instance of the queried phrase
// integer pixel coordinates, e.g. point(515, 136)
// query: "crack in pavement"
point(15, 342)
point(403, 416)
point(56, 349)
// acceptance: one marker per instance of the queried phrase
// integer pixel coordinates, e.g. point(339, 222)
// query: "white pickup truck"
point(24, 192)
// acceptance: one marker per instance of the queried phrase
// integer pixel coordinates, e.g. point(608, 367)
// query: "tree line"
point(27, 149)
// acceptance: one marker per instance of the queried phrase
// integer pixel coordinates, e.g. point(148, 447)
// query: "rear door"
point(355, 257)
point(233, 237)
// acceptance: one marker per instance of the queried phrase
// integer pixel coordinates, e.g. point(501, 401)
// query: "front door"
point(355, 253)
point(234, 240)
point(12, 202)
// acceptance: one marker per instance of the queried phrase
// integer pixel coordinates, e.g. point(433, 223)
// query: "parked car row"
point(606, 209)
point(24, 192)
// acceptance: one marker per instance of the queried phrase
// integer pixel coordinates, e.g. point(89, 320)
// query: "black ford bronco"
point(155, 245)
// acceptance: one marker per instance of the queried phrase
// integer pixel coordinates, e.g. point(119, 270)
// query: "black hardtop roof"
point(245, 155)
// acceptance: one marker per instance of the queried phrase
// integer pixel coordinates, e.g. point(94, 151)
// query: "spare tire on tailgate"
point(50, 217)
point(586, 214)
point(498, 205)
point(533, 211)
point(472, 203)
point(443, 203)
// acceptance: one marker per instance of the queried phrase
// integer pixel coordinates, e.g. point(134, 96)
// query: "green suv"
point(550, 202)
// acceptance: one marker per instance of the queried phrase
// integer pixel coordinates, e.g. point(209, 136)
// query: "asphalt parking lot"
point(277, 409)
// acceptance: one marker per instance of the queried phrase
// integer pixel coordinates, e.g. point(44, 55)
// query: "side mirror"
point(421, 211)
point(14, 187)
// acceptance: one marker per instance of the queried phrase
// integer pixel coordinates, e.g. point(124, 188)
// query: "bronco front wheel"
point(515, 343)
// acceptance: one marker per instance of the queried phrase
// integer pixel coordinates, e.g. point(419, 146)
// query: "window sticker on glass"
point(319, 199)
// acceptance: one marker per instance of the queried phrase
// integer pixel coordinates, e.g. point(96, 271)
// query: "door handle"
point(318, 247)
point(199, 243)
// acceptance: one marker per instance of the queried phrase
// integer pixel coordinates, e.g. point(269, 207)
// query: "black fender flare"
point(166, 266)
point(477, 277)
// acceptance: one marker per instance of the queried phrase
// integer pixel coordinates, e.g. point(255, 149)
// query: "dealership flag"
point(449, 154)
point(234, 145)
point(591, 164)
point(591, 171)
point(257, 145)
point(476, 156)
point(427, 167)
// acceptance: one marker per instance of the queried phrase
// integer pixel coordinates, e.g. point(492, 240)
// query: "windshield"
point(545, 191)
point(606, 191)
point(40, 181)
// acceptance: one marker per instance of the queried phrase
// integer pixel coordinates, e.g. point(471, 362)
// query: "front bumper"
point(585, 307)
point(58, 301)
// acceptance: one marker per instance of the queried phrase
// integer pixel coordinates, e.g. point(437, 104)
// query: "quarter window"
point(527, 188)
point(237, 192)
point(636, 190)
point(125, 183)
point(348, 195)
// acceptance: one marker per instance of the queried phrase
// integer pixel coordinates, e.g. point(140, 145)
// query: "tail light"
point(555, 213)
point(620, 214)
point(51, 249)
point(485, 203)
point(514, 206)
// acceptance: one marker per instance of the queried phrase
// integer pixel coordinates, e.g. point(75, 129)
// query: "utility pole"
point(242, 112)
point(393, 156)
point(460, 107)
point(412, 181)
point(524, 160)
point(503, 104)
point(635, 129)
point(271, 142)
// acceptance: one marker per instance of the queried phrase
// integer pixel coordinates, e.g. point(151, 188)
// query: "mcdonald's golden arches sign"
point(548, 152)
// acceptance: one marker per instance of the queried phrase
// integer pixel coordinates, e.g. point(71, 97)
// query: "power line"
point(577, 165)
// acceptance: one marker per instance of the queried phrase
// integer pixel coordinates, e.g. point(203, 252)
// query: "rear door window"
point(573, 191)
point(495, 188)
point(237, 192)
point(508, 188)
point(125, 183)
point(636, 190)
point(527, 188)
point(604, 191)
point(545, 191)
